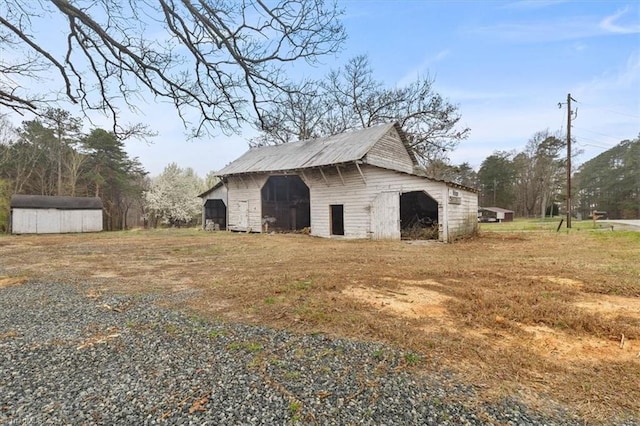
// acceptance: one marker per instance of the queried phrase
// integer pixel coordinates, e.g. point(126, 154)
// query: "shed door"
point(385, 216)
point(243, 215)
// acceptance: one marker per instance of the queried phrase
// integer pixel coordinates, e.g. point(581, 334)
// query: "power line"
point(611, 111)
point(578, 138)
point(595, 146)
point(596, 133)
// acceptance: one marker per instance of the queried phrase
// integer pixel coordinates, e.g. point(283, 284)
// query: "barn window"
point(215, 213)
point(418, 216)
point(337, 219)
point(285, 203)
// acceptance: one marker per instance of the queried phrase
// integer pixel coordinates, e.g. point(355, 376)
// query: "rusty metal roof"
point(55, 202)
point(336, 149)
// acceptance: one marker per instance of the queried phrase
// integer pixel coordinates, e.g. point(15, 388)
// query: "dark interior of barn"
point(418, 216)
point(215, 214)
point(285, 204)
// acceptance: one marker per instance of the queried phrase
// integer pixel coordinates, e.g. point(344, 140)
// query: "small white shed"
point(43, 214)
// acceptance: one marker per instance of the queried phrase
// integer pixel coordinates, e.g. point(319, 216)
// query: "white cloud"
point(532, 4)
point(542, 31)
point(610, 24)
point(560, 28)
point(422, 69)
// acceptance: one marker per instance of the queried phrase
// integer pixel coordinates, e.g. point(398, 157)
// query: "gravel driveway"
point(69, 356)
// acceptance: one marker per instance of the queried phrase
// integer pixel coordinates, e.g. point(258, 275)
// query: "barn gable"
point(390, 152)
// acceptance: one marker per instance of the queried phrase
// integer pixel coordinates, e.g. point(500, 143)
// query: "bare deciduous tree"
point(350, 98)
point(222, 58)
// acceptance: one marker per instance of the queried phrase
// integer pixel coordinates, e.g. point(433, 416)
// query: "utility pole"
point(494, 192)
point(569, 117)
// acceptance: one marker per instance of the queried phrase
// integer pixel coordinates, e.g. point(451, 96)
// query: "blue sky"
point(506, 64)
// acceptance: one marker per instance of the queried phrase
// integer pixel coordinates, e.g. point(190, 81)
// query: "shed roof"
point(213, 188)
point(55, 202)
point(337, 149)
point(495, 209)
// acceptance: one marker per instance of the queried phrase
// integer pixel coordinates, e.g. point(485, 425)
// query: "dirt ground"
point(547, 316)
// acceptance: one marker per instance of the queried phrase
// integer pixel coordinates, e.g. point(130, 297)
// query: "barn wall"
point(220, 193)
point(371, 210)
point(55, 221)
point(462, 212)
point(390, 153)
point(359, 200)
point(244, 204)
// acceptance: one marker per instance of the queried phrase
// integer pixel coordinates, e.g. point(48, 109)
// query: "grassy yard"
point(543, 314)
point(546, 224)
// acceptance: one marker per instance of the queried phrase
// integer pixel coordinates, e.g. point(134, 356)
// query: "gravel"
point(70, 356)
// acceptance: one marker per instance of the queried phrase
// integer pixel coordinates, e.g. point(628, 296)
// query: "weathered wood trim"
point(364, 180)
point(243, 182)
point(254, 181)
point(340, 174)
point(324, 177)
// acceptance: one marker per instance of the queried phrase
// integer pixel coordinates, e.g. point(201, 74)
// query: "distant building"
point(494, 214)
point(42, 214)
point(359, 184)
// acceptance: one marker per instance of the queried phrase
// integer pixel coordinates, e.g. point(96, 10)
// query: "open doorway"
point(285, 204)
point(337, 219)
point(418, 216)
point(215, 215)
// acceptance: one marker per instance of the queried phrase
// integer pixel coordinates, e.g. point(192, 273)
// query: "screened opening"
point(285, 204)
point(215, 214)
point(418, 216)
point(337, 219)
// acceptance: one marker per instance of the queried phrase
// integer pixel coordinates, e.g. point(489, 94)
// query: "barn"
point(359, 184)
point(42, 214)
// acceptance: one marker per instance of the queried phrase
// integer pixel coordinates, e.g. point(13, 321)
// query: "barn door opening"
point(337, 219)
point(285, 204)
point(215, 215)
point(418, 216)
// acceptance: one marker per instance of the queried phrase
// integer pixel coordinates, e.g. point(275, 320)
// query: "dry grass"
point(541, 314)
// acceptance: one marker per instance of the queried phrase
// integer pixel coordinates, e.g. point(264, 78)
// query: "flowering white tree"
point(173, 196)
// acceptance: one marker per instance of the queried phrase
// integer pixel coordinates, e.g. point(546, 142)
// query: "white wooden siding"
point(55, 221)
point(358, 197)
point(463, 217)
point(245, 217)
point(24, 221)
point(220, 193)
point(390, 153)
point(348, 188)
point(385, 216)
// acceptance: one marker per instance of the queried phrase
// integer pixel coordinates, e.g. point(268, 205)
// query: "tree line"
point(52, 156)
point(533, 182)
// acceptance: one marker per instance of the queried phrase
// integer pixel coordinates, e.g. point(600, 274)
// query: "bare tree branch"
point(221, 59)
point(350, 98)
